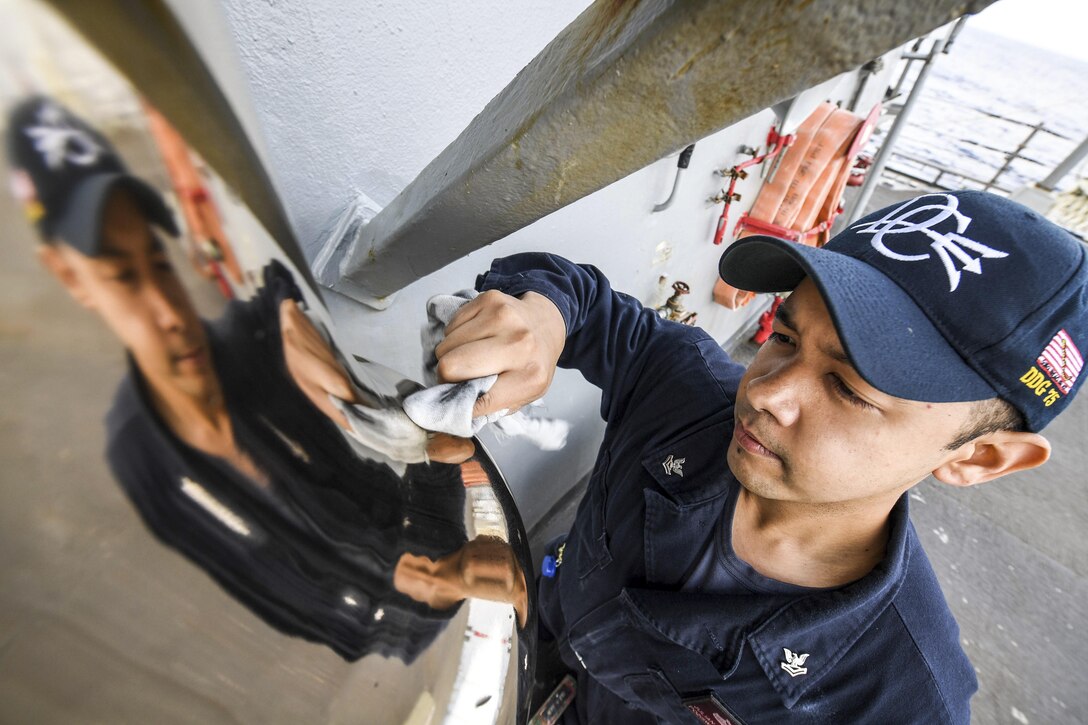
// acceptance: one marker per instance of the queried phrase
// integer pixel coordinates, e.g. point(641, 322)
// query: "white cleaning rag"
point(447, 407)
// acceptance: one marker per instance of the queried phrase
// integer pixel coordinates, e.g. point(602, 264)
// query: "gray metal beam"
point(623, 85)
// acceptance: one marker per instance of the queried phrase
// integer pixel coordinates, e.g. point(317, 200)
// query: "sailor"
point(743, 553)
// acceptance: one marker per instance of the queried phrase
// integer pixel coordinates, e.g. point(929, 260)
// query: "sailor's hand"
point(519, 339)
point(445, 448)
point(313, 364)
point(484, 568)
point(314, 367)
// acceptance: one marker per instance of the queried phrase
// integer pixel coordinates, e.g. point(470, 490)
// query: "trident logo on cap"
point(949, 246)
point(58, 141)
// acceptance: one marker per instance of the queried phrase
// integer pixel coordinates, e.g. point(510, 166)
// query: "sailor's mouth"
point(193, 359)
point(750, 443)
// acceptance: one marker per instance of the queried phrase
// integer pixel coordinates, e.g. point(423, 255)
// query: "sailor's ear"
point(55, 259)
point(992, 456)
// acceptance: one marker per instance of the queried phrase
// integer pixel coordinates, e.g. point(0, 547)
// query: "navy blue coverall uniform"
point(883, 649)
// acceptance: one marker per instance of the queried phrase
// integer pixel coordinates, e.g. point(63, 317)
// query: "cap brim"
point(890, 341)
point(80, 223)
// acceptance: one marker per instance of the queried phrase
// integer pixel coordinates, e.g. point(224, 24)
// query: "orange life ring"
point(802, 199)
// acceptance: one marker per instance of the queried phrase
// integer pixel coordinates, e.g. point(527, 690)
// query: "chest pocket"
point(592, 539)
point(655, 693)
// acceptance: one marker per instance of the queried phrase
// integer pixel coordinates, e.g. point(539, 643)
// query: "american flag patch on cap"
point(1061, 361)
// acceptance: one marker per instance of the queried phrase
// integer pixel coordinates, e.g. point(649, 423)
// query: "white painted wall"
point(360, 97)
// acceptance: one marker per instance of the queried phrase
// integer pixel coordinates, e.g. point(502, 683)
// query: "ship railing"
point(940, 176)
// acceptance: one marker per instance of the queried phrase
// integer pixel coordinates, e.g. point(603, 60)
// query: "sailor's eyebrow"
point(785, 317)
point(155, 246)
point(113, 254)
point(837, 353)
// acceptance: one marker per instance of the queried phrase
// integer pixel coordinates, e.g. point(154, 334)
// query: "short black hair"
point(989, 416)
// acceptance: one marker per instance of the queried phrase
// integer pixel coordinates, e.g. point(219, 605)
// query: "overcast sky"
point(1058, 25)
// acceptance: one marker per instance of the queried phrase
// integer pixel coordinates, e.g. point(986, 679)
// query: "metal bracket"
point(338, 245)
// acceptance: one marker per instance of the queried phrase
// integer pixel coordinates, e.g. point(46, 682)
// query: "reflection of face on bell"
point(133, 287)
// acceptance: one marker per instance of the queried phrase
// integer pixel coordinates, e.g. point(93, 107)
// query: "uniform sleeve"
point(611, 337)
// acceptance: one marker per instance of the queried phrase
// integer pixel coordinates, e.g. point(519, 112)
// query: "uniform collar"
point(826, 625)
point(822, 625)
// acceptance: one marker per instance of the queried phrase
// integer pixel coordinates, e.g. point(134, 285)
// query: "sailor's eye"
point(847, 394)
point(780, 338)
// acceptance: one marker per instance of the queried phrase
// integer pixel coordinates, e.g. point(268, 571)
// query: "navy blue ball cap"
point(946, 297)
point(79, 222)
point(66, 171)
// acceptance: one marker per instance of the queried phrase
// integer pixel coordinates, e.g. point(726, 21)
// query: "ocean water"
point(986, 74)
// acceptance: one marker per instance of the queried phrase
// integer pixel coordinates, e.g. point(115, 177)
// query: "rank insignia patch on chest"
point(710, 710)
point(794, 663)
point(1061, 361)
point(674, 465)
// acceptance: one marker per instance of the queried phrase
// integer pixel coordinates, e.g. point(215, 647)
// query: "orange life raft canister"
point(802, 200)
